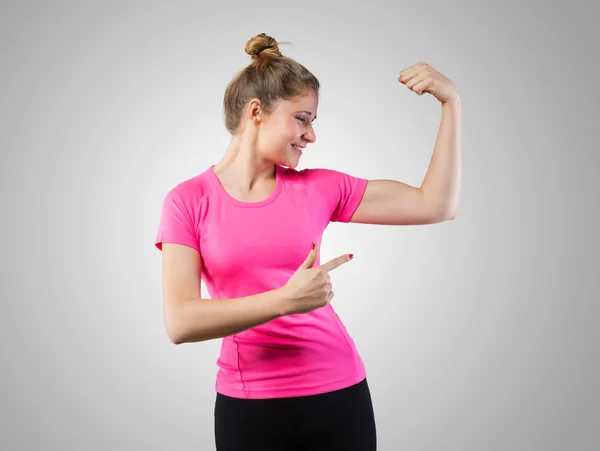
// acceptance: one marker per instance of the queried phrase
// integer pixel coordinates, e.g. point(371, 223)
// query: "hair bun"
point(262, 44)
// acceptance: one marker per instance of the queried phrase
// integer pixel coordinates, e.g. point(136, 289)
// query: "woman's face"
point(288, 125)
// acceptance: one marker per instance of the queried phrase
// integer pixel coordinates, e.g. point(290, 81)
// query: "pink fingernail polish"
point(351, 256)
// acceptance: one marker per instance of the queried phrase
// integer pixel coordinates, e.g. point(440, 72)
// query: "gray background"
point(478, 334)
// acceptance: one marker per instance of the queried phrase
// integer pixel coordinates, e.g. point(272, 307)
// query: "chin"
point(288, 161)
point(293, 164)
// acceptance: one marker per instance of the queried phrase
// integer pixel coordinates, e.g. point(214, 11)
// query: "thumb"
point(310, 260)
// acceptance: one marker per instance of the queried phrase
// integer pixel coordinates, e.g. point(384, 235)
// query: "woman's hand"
point(422, 78)
point(310, 288)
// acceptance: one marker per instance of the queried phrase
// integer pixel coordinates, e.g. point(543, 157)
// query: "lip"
point(298, 150)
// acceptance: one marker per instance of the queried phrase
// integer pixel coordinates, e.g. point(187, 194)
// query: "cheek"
point(288, 134)
point(281, 137)
point(294, 129)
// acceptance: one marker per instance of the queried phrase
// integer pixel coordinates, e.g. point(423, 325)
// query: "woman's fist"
point(310, 288)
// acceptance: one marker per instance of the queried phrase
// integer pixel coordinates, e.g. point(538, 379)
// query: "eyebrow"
point(309, 113)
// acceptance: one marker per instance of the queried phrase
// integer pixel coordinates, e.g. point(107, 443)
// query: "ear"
point(255, 111)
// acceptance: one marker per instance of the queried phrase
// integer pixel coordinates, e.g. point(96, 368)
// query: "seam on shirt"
point(333, 314)
point(237, 348)
point(328, 203)
point(202, 210)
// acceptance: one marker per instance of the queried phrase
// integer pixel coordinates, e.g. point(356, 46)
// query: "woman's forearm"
point(443, 178)
point(205, 319)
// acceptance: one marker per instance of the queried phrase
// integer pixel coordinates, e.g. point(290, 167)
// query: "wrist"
point(280, 302)
point(453, 104)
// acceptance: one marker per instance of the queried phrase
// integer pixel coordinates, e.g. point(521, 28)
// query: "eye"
point(301, 119)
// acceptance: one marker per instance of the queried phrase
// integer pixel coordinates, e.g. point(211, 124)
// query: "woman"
point(250, 226)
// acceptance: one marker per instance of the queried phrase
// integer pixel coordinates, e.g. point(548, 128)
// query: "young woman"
point(250, 226)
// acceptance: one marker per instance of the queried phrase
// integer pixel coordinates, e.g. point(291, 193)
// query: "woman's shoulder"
point(317, 173)
point(320, 177)
point(191, 188)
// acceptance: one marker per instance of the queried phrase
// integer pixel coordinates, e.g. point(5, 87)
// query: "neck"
point(242, 167)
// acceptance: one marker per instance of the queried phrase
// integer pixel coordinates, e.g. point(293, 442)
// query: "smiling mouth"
point(297, 148)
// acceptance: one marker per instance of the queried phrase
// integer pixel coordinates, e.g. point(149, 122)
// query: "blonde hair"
point(270, 77)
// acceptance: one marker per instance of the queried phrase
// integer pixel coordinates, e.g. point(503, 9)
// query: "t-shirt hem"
point(294, 392)
point(355, 200)
point(176, 240)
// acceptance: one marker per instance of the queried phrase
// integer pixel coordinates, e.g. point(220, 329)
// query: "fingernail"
point(351, 256)
point(313, 245)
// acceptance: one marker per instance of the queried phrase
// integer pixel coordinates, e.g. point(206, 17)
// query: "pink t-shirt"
point(253, 247)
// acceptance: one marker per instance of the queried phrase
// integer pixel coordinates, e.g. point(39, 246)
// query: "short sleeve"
point(343, 192)
point(176, 223)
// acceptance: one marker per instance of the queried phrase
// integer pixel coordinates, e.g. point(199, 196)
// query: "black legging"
point(338, 420)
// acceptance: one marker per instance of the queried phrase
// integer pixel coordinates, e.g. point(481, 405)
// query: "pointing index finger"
point(336, 262)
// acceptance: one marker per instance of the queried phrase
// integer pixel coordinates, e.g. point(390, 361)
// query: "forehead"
point(305, 102)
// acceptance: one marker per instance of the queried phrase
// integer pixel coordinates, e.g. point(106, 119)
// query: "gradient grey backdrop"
point(478, 334)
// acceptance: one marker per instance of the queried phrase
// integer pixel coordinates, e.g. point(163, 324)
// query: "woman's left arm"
point(392, 202)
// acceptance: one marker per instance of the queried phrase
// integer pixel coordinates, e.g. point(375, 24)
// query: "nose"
point(310, 135)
